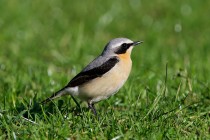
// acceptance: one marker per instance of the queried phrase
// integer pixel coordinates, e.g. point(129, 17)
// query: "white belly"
point(105, 86)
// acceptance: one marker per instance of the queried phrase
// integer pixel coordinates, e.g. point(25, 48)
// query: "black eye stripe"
point(123, 48)
point(127, 45)
point(124, 45)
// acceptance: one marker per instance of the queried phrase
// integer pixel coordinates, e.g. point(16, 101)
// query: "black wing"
point(88, 75)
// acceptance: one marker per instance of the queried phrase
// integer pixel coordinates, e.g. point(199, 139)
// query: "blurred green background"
point(43, 44)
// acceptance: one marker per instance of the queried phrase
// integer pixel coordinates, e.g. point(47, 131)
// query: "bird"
point(104, 76)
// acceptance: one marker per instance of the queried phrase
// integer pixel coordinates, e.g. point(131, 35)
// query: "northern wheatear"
point(104, 76)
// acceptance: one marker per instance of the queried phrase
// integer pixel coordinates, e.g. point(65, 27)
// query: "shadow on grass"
point(31, 109)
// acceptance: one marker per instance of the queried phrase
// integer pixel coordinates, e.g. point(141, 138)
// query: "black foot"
point(78, 105)
point(92, 107)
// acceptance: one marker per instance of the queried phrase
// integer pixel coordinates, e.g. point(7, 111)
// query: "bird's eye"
point(124, 45)
point(123, 48)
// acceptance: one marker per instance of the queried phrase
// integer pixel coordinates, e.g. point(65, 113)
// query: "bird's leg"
point(92, 107)
point(78, 105)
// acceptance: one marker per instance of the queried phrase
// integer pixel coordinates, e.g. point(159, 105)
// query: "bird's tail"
point(55, 95)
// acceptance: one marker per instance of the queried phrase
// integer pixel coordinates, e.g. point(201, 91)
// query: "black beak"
point(135, 43)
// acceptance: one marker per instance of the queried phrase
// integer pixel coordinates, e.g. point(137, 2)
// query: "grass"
point(43, 44)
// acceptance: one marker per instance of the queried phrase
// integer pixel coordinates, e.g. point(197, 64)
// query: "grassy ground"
point(43, 44)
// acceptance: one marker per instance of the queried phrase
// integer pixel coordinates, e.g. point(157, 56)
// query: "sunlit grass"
point(44, 44)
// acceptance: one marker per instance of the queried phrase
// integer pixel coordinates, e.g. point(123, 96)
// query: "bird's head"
point(120, 46)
